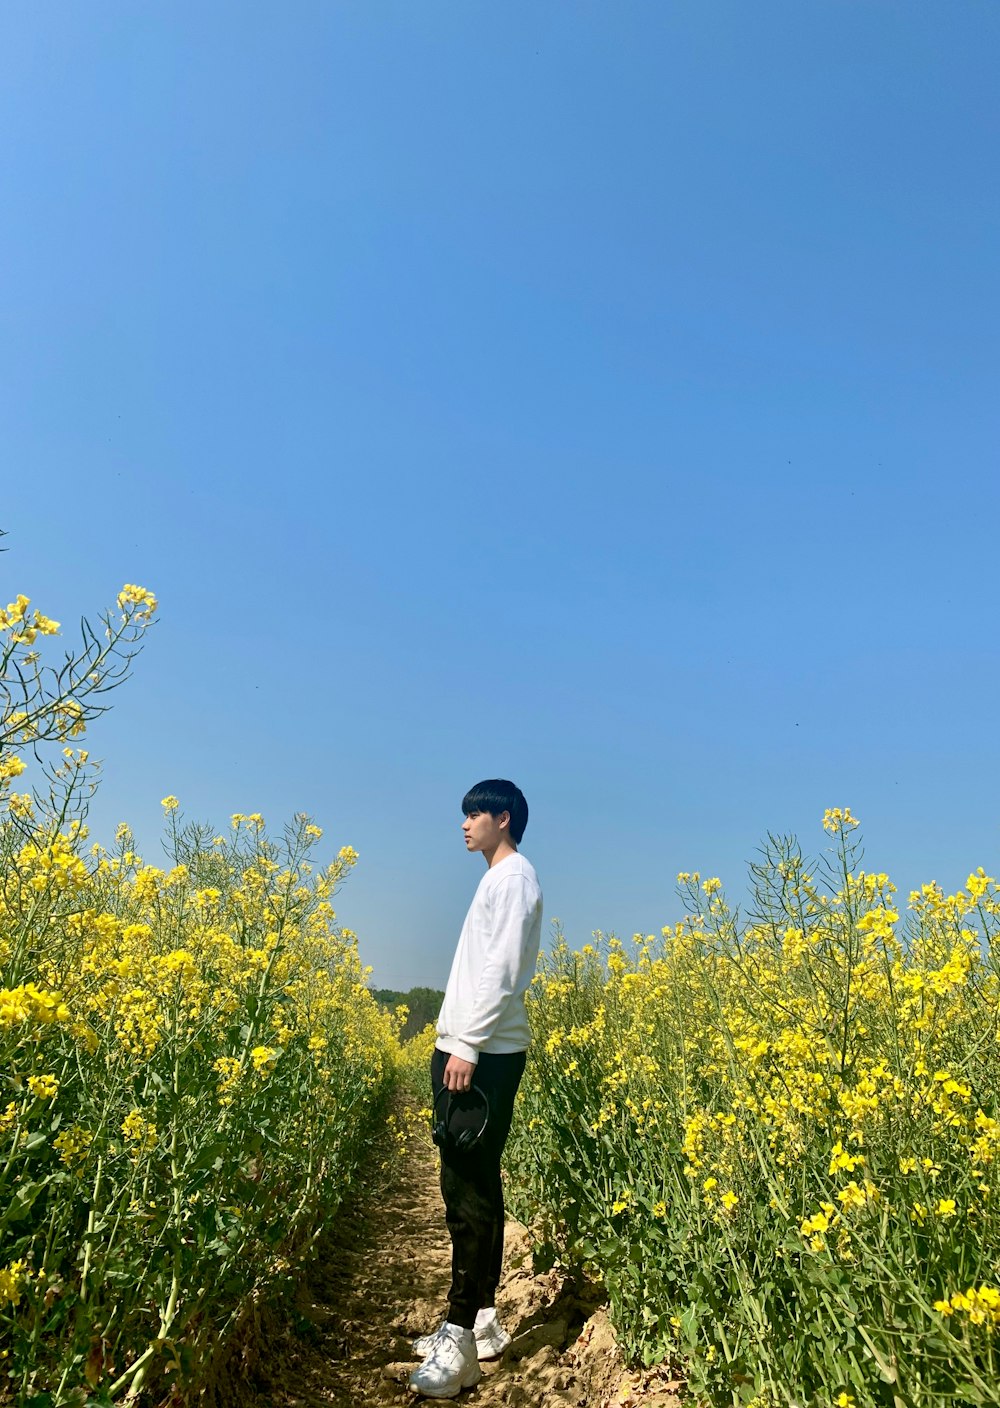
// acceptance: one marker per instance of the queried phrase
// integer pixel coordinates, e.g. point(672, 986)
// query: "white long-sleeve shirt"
point(483, 1008)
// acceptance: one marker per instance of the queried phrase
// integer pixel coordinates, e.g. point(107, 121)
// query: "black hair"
point(497, 795)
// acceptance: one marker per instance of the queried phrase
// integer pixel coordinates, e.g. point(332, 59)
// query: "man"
point(483, 1037)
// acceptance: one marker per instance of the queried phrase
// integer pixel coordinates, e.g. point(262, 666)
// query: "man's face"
point(484, 832)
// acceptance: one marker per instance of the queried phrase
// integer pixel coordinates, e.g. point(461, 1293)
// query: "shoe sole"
point(467, 1382)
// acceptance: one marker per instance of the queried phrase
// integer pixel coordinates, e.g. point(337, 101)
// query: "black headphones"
point(465, 1139)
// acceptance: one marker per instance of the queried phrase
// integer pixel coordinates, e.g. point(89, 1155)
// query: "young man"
point(483, 1037)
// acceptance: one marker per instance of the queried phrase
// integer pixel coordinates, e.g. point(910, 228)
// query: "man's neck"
point(503, 850)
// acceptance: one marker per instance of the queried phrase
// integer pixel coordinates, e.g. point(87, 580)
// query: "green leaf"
point(23, 1200)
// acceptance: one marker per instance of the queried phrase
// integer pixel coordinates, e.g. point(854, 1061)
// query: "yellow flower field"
point(776, 1138)
point(190, 1059)
point(191, 1062)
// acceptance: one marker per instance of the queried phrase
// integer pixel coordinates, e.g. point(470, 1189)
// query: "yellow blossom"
point(12, 1282)
point(43, 1087)
point(131, 595)
point(73, 1144)
point(140, 1132)
point(840, 1159)
point(264, 1058)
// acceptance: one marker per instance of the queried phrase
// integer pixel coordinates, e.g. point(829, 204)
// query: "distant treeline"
point(424, 1005)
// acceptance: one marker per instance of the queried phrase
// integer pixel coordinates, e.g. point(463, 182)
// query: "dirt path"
point(380, 1278)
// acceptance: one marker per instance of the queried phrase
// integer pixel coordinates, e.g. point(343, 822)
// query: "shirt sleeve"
point(513, 905)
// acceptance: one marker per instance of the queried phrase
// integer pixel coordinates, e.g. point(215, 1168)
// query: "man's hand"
point(458, 1074)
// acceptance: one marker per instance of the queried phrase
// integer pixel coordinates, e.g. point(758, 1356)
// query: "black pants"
point(470, 1183)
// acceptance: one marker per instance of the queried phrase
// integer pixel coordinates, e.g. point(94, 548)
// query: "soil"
point(380, 1278)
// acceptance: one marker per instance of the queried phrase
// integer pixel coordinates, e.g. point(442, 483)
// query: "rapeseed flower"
point(828, 1058)
point(43, 1087)
point(13, 1279)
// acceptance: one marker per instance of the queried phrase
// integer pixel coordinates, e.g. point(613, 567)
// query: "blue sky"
point(599, 395)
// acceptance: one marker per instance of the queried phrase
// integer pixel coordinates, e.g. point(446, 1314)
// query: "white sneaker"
point(491, 1337)
point(423, 1345)
point(450, 1365)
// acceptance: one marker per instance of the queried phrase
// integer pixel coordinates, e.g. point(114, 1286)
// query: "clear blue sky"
point(602, 395)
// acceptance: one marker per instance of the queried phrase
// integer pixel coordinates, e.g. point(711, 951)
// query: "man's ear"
point(503, 819)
